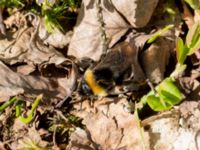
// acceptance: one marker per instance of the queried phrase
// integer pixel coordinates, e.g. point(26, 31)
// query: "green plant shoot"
point(30, 116)
point(159, 33)
point(181, 51)
point(193, 39)
point(167, 93)
point(166, 97)
point(7, 104)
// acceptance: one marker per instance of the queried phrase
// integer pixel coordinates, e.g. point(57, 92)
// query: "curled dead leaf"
point(14, 84)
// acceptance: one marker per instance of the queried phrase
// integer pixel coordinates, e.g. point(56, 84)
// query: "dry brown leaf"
point(188, 107)
point(86, 40)
point(137, 12)
point(138, 39)
point(28, 48)
point(79, 141)
point(17, 19)
point(69, 83)
point(26, 69)
point(13, 84)
point(56, 39)
point(191, 87)
point(155, 59)
point(111, 126)
point(30, 139)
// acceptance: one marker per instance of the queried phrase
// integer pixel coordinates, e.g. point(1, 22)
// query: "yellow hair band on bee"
point(92, 83)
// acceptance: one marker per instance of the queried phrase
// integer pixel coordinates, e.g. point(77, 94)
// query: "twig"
point(104, 38)
point(54, 137)
point(34, 37)
point(59, 105)
point(151, 85)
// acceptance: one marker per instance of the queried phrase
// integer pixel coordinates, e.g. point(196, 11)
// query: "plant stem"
point(7, 104)
point(102, 29)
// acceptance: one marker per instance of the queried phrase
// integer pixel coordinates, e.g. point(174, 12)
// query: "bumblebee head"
point(96, 82)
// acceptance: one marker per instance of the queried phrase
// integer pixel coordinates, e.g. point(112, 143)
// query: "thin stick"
point(104, 38)
point(151, 85)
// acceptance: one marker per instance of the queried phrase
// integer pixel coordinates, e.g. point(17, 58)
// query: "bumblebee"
point(120, 63)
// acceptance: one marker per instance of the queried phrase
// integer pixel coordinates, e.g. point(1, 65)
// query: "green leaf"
point(195, 47)
point(193, 38)
point(156, 103)
point(18, 109)
point(190, 35)
point(158, 33)
point(167, 96)
point(168, 91)
point(169, 86)
point(193, 35)
point(181, 50)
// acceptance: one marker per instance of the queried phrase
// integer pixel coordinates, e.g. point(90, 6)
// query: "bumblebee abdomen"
point(91, 81)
